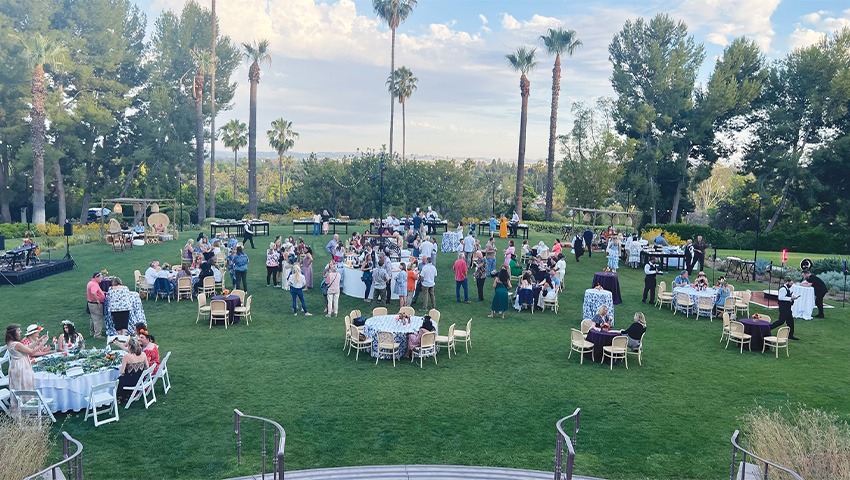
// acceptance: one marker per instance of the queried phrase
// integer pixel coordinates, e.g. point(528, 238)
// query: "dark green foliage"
point(827, 265)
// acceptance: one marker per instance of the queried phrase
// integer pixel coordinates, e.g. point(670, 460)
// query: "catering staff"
point(820, 290)
point(651, 269)
point(786, 301)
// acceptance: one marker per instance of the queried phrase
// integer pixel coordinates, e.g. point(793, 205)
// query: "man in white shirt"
point(425, 249)
point(786, 301)
point(331, 246)
point(650, 270)
point(428, 277)
point(468, 249)
point(151, 273)
point(513, 224)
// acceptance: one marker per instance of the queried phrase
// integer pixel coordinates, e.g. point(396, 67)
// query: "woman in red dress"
point(150, 349)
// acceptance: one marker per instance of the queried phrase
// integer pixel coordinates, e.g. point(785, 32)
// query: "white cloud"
point(483, 19)
point(814, 26)
point(509, 22)
point(803, 37)
point(730, 18)
point(717, 39)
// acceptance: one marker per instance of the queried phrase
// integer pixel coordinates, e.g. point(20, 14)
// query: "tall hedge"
point(807, 239)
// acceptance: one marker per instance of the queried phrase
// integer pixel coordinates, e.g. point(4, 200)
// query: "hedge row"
point(808, 239)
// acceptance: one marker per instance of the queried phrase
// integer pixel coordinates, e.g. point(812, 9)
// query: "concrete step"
point(415, 472)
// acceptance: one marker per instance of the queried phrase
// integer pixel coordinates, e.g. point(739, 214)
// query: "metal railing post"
point(236, 414)
point(74, 461)
point(279, 440)
point(763, 463)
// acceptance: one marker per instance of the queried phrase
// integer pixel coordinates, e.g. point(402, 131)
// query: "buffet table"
point(238, 228)
point(352, 282)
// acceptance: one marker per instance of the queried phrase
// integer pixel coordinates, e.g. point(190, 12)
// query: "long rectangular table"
point(663, 258)
point(308, 225)
point(238, 228)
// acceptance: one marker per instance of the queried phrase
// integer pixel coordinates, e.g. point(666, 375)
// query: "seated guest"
point(159, 228)
point(165, 272)
point(139, 228)
point(723, 292)
point(133, 365)
point(681, 280)
point(206, 268)
point(70, 338)
point(635, 331)
point(516, 269)
point(184, 271)
point(701, 281)
point(549, 289)
point(660, 240)
point(34, 341)
point(526, 250)
point(414, 340)
point(556, 247)
point(151, 273)
point(150, 349)
point(216, 247)
point(189, 250)
point(602, 316)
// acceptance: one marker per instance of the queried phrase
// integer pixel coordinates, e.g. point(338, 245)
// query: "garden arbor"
point(140, 208)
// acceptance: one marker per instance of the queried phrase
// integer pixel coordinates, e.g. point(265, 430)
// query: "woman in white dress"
point(20, 369)
point(634, 252)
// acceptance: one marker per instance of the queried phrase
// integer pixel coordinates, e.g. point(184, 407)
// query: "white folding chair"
point(31, 403)
point(448, 340)
point(5, 400)
point(427, 348)
point(162, 374)
point(143, 389)
point(103, 394)
point(465, 336)
point(4, 380)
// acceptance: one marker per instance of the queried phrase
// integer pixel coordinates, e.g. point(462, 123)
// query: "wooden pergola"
point(139, 205)
point(598, 217)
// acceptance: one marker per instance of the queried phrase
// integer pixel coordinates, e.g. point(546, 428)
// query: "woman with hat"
point(70, 338)
point(33, 340)
point(20, 368)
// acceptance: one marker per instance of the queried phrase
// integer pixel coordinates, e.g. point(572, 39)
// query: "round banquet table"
point(757, 329)
point(611, 282)
point(232, 302)
point(695, 295)
point(601, 338)
point(803, 306)
point(451, 242)
point(388, 323)
point(593, 299)
point(69, 393)
point(352, 282)
point(105, 284)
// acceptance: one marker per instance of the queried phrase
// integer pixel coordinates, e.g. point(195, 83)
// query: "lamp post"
point(382, 166)
point(758, 230)
point(180, 198)
point(494, 198)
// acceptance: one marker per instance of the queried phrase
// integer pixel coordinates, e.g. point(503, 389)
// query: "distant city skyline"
point(330, 62)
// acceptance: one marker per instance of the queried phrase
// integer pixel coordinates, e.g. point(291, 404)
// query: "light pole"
point(758, 230)
point(180, 198)
point(382, 166)
point(494, 198)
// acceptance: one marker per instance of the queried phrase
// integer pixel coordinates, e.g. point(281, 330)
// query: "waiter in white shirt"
point(786, 301)
point(650, 270)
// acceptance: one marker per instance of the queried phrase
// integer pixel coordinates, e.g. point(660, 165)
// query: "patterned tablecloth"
point(69, 393)
point(593, 299)
point(451, 242)
point(694, 294)
point(803, 306)
point(388, 323)
point(131, 302)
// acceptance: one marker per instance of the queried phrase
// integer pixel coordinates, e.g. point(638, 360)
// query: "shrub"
point(23, 448)
point(827, 265)
point(672, 238)
point(761, 266)
point(230, 209)
point(546, 227)
point(813, 443)
point(13, 230)
point(273, 207)
point(297, 212)
point(834, 281)
point(686, 231)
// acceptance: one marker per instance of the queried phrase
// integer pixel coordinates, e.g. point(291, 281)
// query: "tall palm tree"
point(401, 85)
point(393, 12)
point(233, 134)
point(256, 53)
point(212, 111)
point(281, 138)
point(522, 61)
point(558, 41)
point(202, 61)
point(39, 51)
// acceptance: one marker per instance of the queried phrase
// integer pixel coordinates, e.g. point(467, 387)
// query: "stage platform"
point(44, 268)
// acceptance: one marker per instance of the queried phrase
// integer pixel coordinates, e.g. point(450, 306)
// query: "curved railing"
point(563, 442)
point(279, 442)
point(763, 465)
point(74, 462)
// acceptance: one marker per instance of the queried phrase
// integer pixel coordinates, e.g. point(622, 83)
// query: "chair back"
point(184, 283)
point(683, 298)
point(451, 334)
point(355, 314)
point(468, 327)
point(729, 303)
point(114, 226)
point(576, 335)
point(428, 340)
point(209, 282)
point(736, 327)
point(353, 332)
point(731, 288)
point(783, 333)
point(218, 306)
point(163, 365)
point(726, 320)
point(746, 296)
point(662, 286)
point(385, 339)
point(620, 341)
point(763, 317)
point(202, 299)
point(408, 310)
point(586, 325)
point(705, 302)
point(434, 314)
point(379, 311)
point(347, 323)
point(240, 294)
point(248, 302)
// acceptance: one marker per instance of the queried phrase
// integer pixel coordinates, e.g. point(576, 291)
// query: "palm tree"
point(402, 84)
point(522, 61)
point(233, 134)
point(393, 12)
point(202, 63)
point(281, 138)
point(256, 53)
point(557, 42)
point(38, 52)
point(212, 111)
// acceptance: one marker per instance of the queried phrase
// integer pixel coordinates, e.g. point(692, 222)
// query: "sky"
point(331, 60)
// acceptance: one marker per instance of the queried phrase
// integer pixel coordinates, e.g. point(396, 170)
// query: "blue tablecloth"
point(593, 299)
point(451, 241)
point(694, 294)
point(388, 323)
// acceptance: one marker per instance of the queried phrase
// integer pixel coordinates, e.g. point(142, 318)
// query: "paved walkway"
point(415, 472)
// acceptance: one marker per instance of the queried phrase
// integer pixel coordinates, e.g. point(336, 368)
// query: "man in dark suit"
point(820, 290)
point(650, 270)
point(786, 301)
point(699, 253)
point(588, 240)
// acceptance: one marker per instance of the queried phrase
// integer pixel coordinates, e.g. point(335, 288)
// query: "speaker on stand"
point(69, 232)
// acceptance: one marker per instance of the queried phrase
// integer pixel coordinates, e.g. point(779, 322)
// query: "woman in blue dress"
point(614, 254)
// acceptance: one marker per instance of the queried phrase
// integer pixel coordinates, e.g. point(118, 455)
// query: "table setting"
point(67, 377)
point(601, 337)
point(399, 326)
point(232, 302)
point(595, 298)
point(611, 282)
point(694, 293)
point(757, 329)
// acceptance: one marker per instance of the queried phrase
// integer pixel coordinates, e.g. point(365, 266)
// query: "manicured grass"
point(497, 405)
point(794, 258)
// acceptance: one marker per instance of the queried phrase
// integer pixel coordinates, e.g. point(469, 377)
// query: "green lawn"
point(497, 405)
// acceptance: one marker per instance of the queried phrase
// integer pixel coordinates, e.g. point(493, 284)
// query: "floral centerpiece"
point(599, 287)
point(607, 270)
point(93, 360)
point(225, 292)
point(605, 326)
point(104, 272)
point(756, 316)
point(403, 318)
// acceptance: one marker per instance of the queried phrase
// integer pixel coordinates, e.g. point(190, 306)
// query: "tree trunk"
point(652, 195)
point(86, 200)
point(127, 179)
point(525, 90)
point(403, 131)
point(212, 116)
point(280, 180)
point(199, 147)
point(5, 214)
point(674, 210)
point(60, 192)
point(253, 76)
point(235, 161)
point(37, 131)
point(392, 97)
point(553, 127)
point(779, 207)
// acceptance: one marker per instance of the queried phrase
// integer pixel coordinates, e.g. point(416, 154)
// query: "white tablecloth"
point(803, 306)
point(352, 282)
point(69, 393)
point(388, 323)
point(695, 295)
point(451, 241)
point(593, 299)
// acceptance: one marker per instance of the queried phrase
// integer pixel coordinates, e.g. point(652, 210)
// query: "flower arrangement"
point(403, 318)
point(607, 270)
point(756, 316)
point(599, 287)
point(225, 292)
point(605, 326)
point(90, 360)
point(104, 272)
